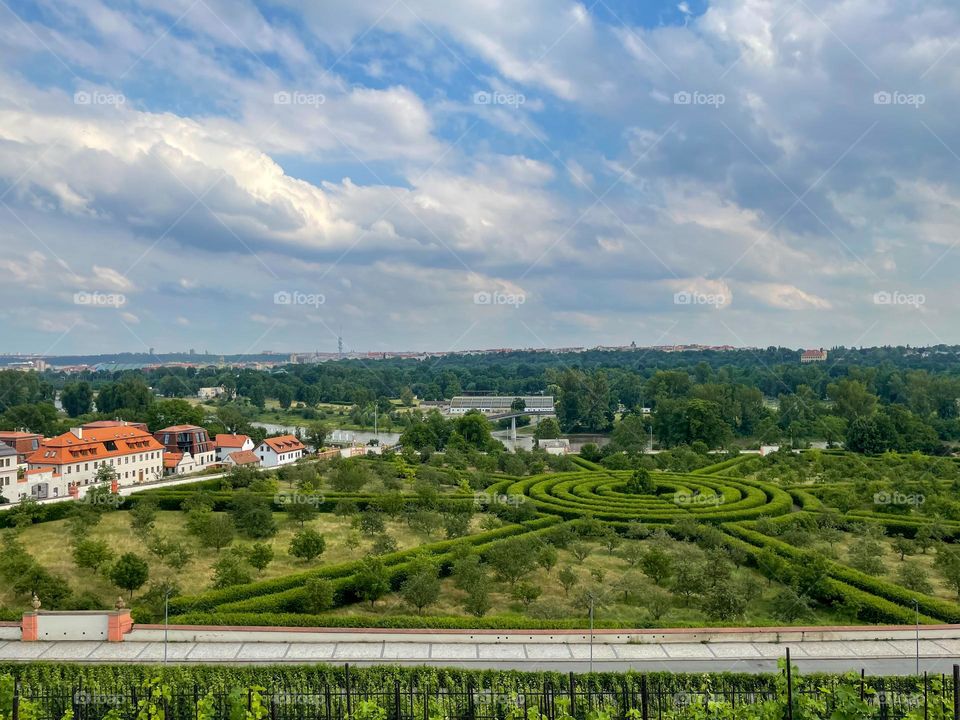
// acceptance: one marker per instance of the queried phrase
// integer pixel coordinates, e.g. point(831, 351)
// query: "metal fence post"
point(573, 697)
point(396, 699)
point(956, 692)
point(16, 699)
point(644, 708)
point(346, 685)
point(470, 701)
point(790, 689)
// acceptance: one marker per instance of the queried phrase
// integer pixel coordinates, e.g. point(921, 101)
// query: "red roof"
point(96, 444)
point(284, 443)
point(171, 460)
point(244, 457)
point(812, 353)
point(230, 440)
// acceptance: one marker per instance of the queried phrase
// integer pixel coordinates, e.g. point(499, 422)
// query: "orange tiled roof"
point(244, 457)
point(284, 443)
point(180, 428)
point(230, 440)
point(171, 460)
point(96, 444)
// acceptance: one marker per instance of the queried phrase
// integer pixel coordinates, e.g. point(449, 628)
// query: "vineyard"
point(49, 692)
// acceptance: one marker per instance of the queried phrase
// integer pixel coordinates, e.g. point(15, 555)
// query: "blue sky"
point(239, 176)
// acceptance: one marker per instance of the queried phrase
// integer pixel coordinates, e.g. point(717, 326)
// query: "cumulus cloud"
point(738, 149)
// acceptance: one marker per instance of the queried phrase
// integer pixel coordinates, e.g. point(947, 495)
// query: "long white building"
point(500, 404)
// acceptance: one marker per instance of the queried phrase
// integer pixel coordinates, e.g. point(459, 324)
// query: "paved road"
point(125, 490)
point(876, 656)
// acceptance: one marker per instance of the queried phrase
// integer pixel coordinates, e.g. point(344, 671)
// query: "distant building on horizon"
point(500, 404)
point(810, 356)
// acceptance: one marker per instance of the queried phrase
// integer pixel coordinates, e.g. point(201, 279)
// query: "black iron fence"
point(638, 697)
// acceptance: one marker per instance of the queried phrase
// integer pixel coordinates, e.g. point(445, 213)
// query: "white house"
point(43, 483)
point(76, 456)
point(281, 450)
point(175, 463)
point(229, 443)
point(8, 472)
point(209, 393)
point(555, 446)
point(242, 458)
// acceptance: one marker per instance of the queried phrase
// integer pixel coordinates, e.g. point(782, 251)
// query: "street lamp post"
point(916, 609)
point(166, 622)
point(591, 633)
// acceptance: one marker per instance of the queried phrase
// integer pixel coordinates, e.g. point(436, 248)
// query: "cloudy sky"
point(237, 176)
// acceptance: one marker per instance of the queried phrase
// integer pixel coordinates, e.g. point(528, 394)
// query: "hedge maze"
point(720, 506)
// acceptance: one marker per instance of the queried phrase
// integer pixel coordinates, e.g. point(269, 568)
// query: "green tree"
point(371, 581)
point(307, 545)
point(913, 577)
point(301, 509)
point(318, 596)
point(657, 565)
point(547, 429)
point(350, 477)
point(229, 570)
point(130, 572)
point(641, 483)
point(217, 532)
point(567, 579)
point(525, 593)
point(76, 398)
point(477, 602)
point(260, 555)
point(143, 515)
point(948, 564)
point(421, 588)
point(91, 554)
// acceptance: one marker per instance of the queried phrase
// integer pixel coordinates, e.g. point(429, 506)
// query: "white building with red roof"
point(229, 443)
point(243, 458)
point(188, 440)
point(809, 356)
point(76, 456)
point(8, 472)
point(280, 450)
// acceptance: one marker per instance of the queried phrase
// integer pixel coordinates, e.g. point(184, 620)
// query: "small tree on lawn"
point(301, 512)
point(318, 596)
point(92, 554)
point(641, 483)
point(422, 586)
point(372, 581)
point(130, 572)
point(307, 544)
point(525, 593)
point(218, 531)
point(230, 569)
point(568, 578)
point(477, 602)
point(259, 556)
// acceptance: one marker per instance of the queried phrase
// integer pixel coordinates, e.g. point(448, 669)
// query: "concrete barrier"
point(234, 634)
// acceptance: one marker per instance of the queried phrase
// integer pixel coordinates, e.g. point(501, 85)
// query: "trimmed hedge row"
point(716, 468)
point(942, 610)
point(213, 598)
point(344, 589)
point(574, 495)
point(870, 608)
